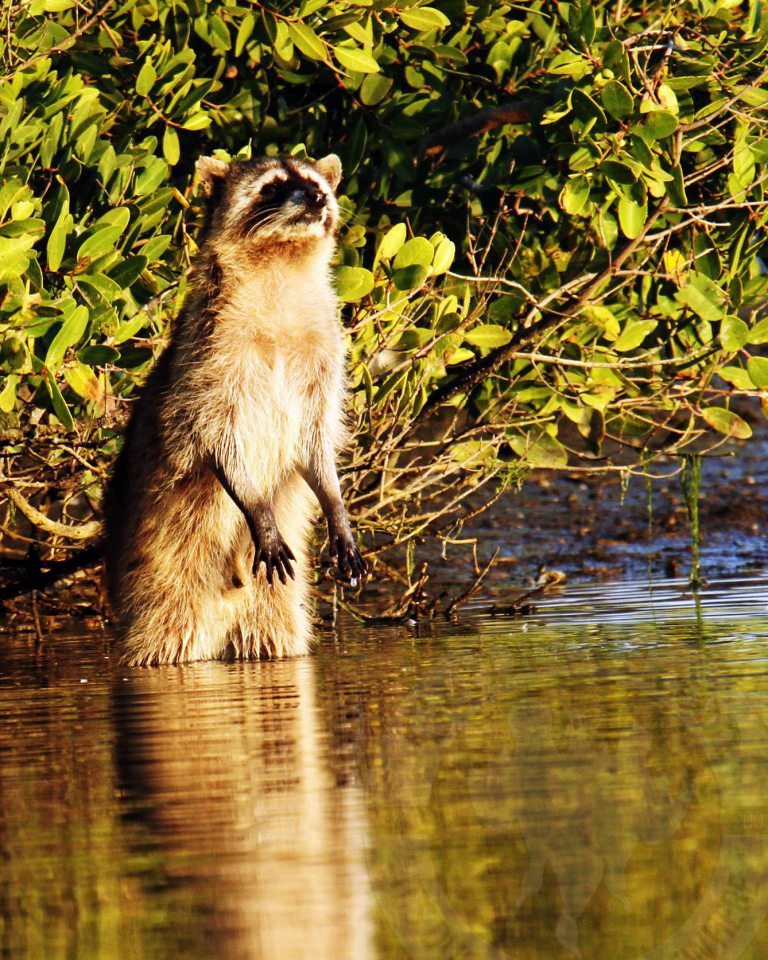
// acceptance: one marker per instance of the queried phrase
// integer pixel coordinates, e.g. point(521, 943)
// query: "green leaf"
point(244, 32)
point(391, 242)
point(444, 254)
point(107, 163)
point(70, 332)
point(753, 96)
point(458, 356)
point(8, 393)
point(218, 33)
point(18, 227)
point(418, 250)
point(116, 217)
point(146, 78)
point(59, 404)
point(757, 367)
point(393, 382)
point(618, 172)
point(414, 338)
point(85, 143)
point(374, 89)
point(575, 195)
point(488, 336)
point(587, 24)
point(308, 41)
point(727, 422)
point(744, 167)
point(759, 333)
point(568, 64)
point(632, 216)
point(738, 376)
point(734, 333)
point(587, 109)
point(130, 328)
point(198, 121)
point(57, 240)
point(14, 255)
point(151, 177)
point(659, 124)
point(101, 242)
point(605, 319)
point(582, 159)
point(545, 451)
point(445, 51)
point(410, 277)
point(105, 286)
point(633, 334)
point(358, 31)
point(98, 355)
point(704, 297)
point(752, 25)
point(473, 452)
point(353, 283)
point(356, 60)
point(676, 188)
point(424, 18)
point(171, 148)
point(154, 249)
point(126, 273)
point(84, 382)
point(617, 100)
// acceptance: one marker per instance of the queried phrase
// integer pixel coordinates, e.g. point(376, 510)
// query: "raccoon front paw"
point(346, 555)
point(276, 555)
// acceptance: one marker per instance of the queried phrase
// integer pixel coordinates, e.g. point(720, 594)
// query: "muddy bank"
point(594, 528)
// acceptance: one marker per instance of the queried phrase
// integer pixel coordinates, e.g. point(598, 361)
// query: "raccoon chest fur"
point(284, 301)
point(283, 383)
point(271, 410)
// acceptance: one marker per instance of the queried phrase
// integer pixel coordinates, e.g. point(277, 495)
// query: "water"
point(591, 783)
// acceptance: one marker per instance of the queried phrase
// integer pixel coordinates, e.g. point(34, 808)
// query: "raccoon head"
point(271, 202)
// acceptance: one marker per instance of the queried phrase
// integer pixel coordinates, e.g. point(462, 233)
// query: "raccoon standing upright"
point(234, 437)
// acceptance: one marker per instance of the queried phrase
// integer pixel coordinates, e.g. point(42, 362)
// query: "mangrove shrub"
point(553, 215)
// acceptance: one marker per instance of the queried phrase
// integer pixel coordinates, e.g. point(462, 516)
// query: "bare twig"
point(473, 590)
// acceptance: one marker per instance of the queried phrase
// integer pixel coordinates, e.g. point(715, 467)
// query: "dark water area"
point(589, 782)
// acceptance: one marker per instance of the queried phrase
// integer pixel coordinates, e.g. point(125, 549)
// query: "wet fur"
point(253, 374)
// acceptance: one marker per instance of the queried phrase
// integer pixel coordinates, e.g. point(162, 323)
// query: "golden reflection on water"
point(575, 787)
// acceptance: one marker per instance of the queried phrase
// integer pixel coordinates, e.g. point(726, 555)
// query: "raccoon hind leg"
point(242, 558)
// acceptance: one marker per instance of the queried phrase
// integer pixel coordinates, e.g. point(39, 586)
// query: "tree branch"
point(485, 366)
point(81, 531)
point(516, 111)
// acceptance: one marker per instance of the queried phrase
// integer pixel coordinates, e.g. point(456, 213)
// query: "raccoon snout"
point(314, 199)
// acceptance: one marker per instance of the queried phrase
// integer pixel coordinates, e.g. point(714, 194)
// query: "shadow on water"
point(588, 783)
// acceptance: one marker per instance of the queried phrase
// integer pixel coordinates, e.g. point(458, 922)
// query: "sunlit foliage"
point(553, 216)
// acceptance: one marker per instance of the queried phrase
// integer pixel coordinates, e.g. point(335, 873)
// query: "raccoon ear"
point(330, 168)
point(209, 170)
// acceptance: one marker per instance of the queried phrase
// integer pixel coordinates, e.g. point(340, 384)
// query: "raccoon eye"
point(269, 191)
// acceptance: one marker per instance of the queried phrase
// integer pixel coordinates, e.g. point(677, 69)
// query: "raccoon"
point(232, 443)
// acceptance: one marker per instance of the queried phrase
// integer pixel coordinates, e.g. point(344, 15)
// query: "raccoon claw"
point(349, 560)
point(276, 557)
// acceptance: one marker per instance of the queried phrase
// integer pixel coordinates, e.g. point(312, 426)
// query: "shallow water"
point(590, 782)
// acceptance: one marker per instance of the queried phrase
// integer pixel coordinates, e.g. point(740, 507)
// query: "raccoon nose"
point(314, 199)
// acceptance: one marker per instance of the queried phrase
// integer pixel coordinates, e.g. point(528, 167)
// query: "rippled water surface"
point(592, 782)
